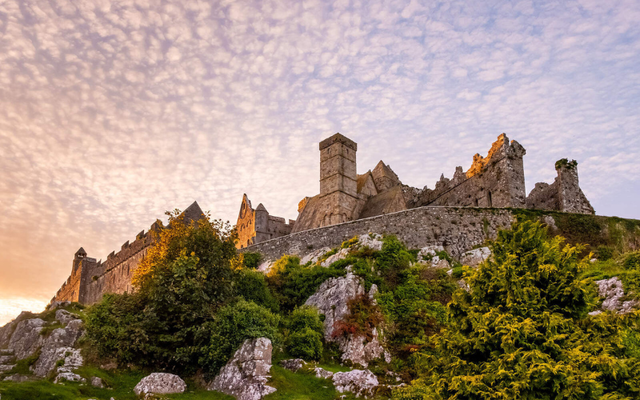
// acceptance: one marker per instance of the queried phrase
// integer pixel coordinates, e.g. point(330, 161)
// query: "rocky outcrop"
point(293, 364)
point(59, 346)
point(159, 383)
point(26, 338)
point(314, 256)
point(612, 291)
point(475, 257)
point(332, 297)
point(7, 360)
point(372, 241)
point(340, 255)
point(245, 375)
point(359, 382)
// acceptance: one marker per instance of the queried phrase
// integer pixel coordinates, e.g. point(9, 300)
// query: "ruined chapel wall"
point(458, 229)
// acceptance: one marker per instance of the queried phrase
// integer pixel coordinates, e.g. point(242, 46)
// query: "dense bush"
point(417, 307)
point(251, 260)
point(252, 285)
point(184, 278)
point(631, 261)
point(292, 283)
point(233, 324)
point(305, 334)
point(522, 331)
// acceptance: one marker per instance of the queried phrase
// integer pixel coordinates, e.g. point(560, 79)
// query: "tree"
point(522, 331)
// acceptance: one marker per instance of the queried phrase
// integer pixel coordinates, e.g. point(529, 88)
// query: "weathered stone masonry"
point(494, 181)
point(457, 229)
point(91, 279)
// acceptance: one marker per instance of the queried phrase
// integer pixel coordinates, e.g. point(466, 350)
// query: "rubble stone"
point(160, 383)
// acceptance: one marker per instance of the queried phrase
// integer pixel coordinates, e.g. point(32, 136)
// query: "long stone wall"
point(457, 229)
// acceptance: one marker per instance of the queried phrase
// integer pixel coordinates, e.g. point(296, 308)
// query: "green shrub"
point(305, 344)
point(604, 253)
point(292, 283)
point(233, 324)
point(631, 260)
point(251, 260)
point(305, 333)
point(252, 286)
point(522, 331)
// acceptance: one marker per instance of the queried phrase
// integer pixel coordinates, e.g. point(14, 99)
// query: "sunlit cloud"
point(113, 112)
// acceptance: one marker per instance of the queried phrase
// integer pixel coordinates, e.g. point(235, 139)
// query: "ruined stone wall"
point(457, 229)
point(494, 181)
point(116, 273)
point(564, 194)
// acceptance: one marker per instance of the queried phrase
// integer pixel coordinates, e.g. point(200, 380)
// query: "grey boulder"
point(159, 383)
point(245, 375)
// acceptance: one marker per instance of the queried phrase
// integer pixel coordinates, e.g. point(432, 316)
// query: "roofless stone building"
point(458, 213)
point(494, 181)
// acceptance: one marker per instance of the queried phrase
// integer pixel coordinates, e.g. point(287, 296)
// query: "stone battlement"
point(90, 279)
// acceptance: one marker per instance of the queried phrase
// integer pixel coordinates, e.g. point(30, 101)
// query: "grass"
point(119, 384)
point(298, 386)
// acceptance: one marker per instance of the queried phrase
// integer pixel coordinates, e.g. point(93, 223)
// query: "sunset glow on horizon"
point(113, 112)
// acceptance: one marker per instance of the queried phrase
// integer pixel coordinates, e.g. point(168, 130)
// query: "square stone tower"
point(338, 178)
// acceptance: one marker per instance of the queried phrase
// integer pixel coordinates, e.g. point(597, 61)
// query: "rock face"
point(59, 346)
point(26, 338)
point(361, 383)
point(332, 297)
point(474, 258)
point(160, 383)
point(246, 374)
point(372, 241)
point(314, 256)
point(340, 255)
point(612, 291)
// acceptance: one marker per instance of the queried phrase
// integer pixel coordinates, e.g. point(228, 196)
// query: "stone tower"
point(338, 178)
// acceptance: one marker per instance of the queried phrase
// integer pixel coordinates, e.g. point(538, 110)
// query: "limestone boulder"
point(265, 267)
point(612, 292)
point(340, 255)
point(57, 304)
point(97, 382)
point(314, 256)
point(26, 338)
point(245, 375)
point(428, 253)
point(293, 364)
point(332, 297)
point(64, 316)
point(372, 241)
point(159, 383)
point(359, 350)
point(359, 382)
point(59, 346)
point(5, 334)
point(322, 373)
point(68, 377)
point(475, 257)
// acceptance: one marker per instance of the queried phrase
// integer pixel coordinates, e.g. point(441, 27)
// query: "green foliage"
point(186, 275)
point(23, 367)
point(292, 283)
point(604, 253)
point(416, 307)
point(252, 286)
point(251, 260)
point(522, 331)
point(631, 261)
point(392, 260)
point(233, 324)
point(564, 163)
point(305, 334)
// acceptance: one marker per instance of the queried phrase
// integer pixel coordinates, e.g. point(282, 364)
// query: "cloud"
point(113, 112)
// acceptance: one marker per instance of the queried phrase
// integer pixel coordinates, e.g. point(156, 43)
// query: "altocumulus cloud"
point(112, 112)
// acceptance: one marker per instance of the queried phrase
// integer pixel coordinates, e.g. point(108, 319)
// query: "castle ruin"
point(458, 213)
point(494, 181)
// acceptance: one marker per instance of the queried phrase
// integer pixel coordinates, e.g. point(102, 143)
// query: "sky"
point(113, 112)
